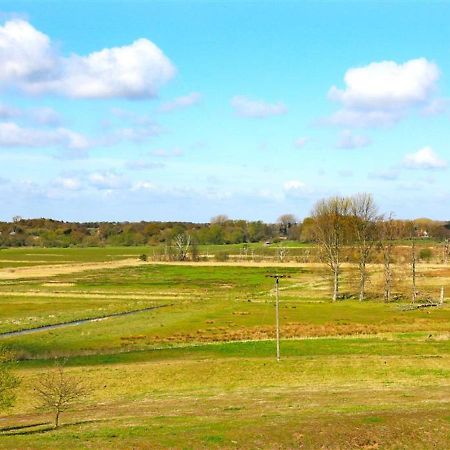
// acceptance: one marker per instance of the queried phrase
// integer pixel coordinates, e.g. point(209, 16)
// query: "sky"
point(183, 110)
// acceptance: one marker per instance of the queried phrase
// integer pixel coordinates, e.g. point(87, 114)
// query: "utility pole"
point(277, 310)
point(413, 265)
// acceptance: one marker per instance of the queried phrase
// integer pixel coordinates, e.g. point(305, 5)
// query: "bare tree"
point(282, 253)
point(182, 243)
point(58, 391)
point(9, 382)
point(387, 233)
point(364, 213)
point(330, 218)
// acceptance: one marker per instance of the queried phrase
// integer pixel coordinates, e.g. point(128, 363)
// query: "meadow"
point(199, 371)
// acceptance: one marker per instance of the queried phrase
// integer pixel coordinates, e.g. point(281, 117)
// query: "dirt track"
point(46, 271)
point(62, 269)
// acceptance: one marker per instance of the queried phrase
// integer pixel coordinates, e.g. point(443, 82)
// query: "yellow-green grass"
point(201, 373)
point(196, 400)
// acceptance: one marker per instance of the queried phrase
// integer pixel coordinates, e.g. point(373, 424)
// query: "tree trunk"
point(387, 273)
point(57, 419)
point(336, 284)
point(362, 281)
point(413, 264)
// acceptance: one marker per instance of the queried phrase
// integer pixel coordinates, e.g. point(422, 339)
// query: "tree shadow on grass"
point(26, 429)
point(45, 427)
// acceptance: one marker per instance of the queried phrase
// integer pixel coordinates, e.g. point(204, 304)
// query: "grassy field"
point(200, 371)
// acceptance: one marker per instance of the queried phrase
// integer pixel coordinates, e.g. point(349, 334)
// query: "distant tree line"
point(220, 230)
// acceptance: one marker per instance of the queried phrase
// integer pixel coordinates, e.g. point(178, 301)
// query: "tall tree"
point(285, 222)
point(330, 221)
point(364, 219)
point(387, 234)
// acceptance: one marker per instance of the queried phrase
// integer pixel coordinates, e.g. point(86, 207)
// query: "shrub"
point(222, 256)
point(426, 254)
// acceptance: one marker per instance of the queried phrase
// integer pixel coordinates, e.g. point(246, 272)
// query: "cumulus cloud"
point(381, 93)
point(348, 140)
point(425, 158)
point(31, 63)
point(14, 135)
point(246, 107)
point(181, 102)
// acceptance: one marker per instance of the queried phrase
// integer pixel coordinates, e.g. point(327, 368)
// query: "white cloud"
point(9, 112)
point(365, 118)
point(436, 106)
point(41, 116)
point(68, 183)
point(31, 63)
point(296, 189)
point(144, 186)
point(294, 185)
point(181, 102)
point(246, 107)
point(348, 140)
point(425, 158)
point(13, 135)
point(107, 180)
point(133, 134)
point(46, 116)
point(381, 93)
point(301, 142)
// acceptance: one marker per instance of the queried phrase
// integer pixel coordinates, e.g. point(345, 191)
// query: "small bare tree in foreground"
point(58, 391)
point(9, 382)
point(330, 227)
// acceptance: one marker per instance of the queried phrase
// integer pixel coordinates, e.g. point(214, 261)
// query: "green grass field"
point(200, 372)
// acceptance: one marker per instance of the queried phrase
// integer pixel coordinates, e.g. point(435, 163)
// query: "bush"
point(143, 257)
point(222, 256)
point(426, 254)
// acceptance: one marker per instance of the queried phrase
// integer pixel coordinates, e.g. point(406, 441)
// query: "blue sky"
point(182, 110)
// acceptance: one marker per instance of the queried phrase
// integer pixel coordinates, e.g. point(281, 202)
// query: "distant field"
point(200, 372)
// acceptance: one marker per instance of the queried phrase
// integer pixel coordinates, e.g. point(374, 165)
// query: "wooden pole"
point(277, 310)
point(277, 316)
